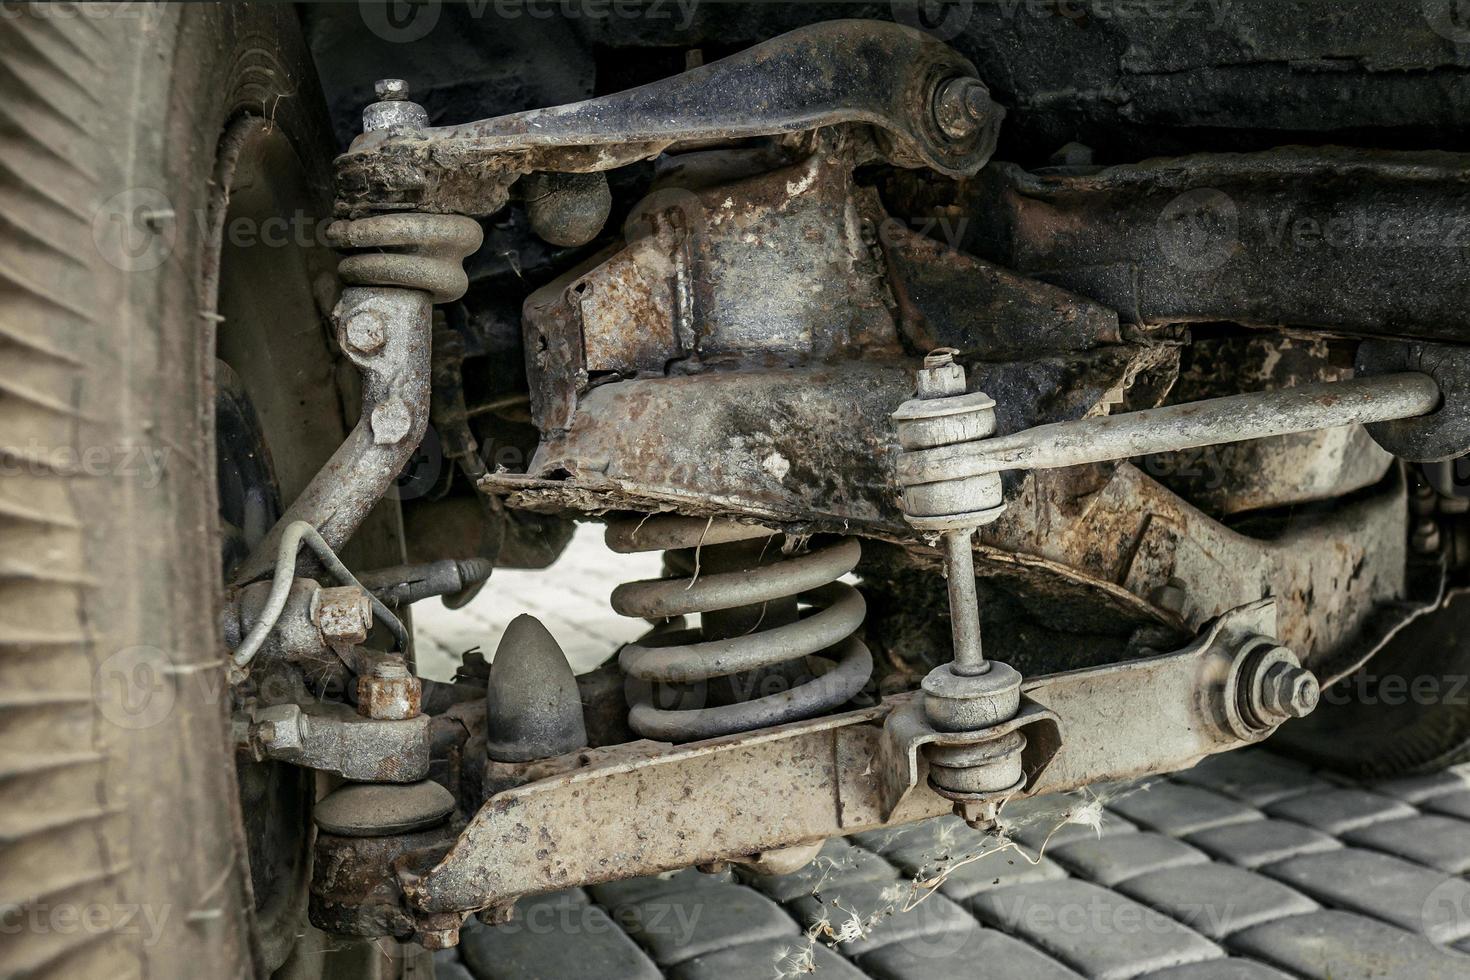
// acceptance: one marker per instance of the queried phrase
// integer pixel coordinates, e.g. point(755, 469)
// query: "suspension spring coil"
point(410, 251)
point(752, 633)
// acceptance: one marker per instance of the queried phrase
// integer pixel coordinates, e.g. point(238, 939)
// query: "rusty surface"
point(389, 695)
point(355, 889)
point(728, 798)
point(948, 298)
point(333, 738)
point(723, 268)
point(1277, 471)
point(1248, 238)
point(867, 73)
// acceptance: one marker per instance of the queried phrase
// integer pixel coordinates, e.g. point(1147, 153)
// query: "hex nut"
point(389, 692)
point(390, 89)
point(343, 614)
point(364, 331)
point(1290, 692)
point(960, 106)
point(280, 728)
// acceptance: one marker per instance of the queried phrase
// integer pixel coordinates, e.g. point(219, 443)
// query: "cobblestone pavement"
point(1247, 866)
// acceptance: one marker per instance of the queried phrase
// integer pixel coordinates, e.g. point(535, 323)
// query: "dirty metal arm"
point(832, 776)
point(1233, 418)
point(920, 94)
point(402, 264)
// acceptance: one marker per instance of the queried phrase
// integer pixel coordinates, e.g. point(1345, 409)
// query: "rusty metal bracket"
point(907, 730)
point(918, 94)
point(645, 808)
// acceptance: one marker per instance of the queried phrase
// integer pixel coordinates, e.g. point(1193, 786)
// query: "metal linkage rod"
point(1214, 421)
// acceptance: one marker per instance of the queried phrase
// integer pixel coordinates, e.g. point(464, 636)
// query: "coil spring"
point(751, 630)
point(411, 251)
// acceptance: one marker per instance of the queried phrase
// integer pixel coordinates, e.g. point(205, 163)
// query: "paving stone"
point(1044, 820)
point(1450, 804)
point(1000, 869)
point(1340, 810)
point(839, 862)
point(937, 836)
point(675, 926)
point(612, 894)
point(965, 955)
point(448, 967)
point(1110, 860)
point(554, 936)
point(1216, 899)
point(1252, 776)
point(1091, 929)
point(1177, 809)
point(872, 910)
point(1437, 841)
point(1335, 945)
point(1262, 842)
point(1234, 968)
point(766, 960)
point(1416, 789)
point(1388, 888)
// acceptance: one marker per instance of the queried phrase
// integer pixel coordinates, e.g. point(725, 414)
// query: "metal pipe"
point(402, 585)
point(964, 606)
point(395, 413)
point(293, 536)
point(1214, 421)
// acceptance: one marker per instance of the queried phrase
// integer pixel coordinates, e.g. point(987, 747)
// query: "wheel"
point(163, 171)
point(1407, 711)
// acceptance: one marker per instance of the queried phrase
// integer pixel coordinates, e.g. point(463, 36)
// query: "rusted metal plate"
point(635, 813)
point(871, 73)
point(1244, 237)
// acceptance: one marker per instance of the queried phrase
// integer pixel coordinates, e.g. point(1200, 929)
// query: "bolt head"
point(391, 421)
point(344, 614)
point(1303, 696)
point(388, 692)
point(390, 89)
point(1290, 692)
point(961, 106)
point(940, 376)
point(365, 331)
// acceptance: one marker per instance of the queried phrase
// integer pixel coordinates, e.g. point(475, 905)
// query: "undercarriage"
point(833, 337)
point(998, 437)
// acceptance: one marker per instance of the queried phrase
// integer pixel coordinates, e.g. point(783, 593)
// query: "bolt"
point(391, 90)
point(344, 614)
point(1290, 692)
point(393, 110)
point(390, 670)
point(961, 106)
point(158, 219)
point(365, 331)
point(940, 375)
point(497, 914)
point(388, 691)
point(1169, 597)
point(391, 421)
